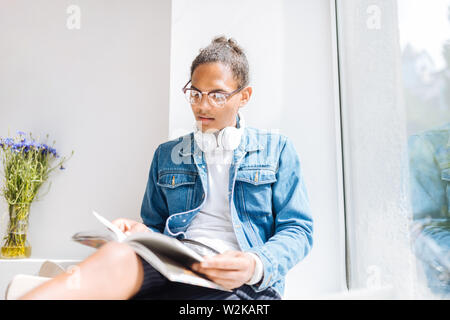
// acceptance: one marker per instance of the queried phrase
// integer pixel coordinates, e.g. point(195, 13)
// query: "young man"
point(238, 190)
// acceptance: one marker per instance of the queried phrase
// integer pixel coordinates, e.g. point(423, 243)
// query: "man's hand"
point(230, 269)
point(129, 226)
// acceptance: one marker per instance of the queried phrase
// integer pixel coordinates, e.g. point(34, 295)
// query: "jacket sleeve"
point(154, 210)
point(427, 188)
point(292, 239)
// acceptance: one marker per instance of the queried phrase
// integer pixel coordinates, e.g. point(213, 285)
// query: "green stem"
point(15, 241)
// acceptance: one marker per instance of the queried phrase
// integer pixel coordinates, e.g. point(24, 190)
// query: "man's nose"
point(204, 104)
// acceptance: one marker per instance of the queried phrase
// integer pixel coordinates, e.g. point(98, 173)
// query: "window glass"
point(424, 28)
point(376, 171)
point(394, 60)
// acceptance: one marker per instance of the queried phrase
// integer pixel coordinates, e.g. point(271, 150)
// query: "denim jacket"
point(429, 159)
point(269, 203)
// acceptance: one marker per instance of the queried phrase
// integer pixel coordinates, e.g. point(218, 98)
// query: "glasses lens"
point(217, 98)
point(193, 96)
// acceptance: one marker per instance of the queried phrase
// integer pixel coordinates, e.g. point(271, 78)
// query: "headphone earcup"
point(206, 141)
point(229, 138)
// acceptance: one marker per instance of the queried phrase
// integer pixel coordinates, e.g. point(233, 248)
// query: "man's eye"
point(217, 96)
point(195, 94)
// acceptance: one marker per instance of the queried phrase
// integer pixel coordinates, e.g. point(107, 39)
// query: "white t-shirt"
point(212, 225)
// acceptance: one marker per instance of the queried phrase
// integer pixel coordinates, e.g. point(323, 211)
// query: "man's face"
point(209, 77)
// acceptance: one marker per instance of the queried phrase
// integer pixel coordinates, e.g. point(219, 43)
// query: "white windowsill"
point(30, 266)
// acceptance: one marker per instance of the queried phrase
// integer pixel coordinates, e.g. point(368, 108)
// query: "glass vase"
point(15, 244)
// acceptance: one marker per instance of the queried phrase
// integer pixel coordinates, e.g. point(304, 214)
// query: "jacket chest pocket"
point(178, 187)
point(254, 191)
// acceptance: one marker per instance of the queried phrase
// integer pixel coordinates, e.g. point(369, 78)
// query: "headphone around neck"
point(228, 138)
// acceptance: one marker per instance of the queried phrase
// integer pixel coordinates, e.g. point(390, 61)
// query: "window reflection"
point(426, 84)
point(430, 194)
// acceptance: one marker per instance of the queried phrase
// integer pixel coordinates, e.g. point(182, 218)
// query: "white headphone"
point(228, 138)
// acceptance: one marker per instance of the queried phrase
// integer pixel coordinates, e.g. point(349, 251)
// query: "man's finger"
point(221, 274)
point(223, 262)
point(122, 224)
point(227, 283)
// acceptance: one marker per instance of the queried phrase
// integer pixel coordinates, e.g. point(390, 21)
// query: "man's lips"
point(204, 118)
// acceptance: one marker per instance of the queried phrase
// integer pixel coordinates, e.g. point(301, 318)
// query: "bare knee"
point(117, 254)
point(123, 265)
point(117, 249)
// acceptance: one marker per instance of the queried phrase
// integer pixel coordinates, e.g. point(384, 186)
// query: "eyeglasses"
point(215, 98)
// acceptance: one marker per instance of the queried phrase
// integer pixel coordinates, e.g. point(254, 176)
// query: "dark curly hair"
point(228, 52)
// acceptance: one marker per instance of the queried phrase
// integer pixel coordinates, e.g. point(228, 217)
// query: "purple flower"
point(54, 153)
point(26, 146)
point(36, 144)
point(8, 141)
point(44, 149)
point(17, 146)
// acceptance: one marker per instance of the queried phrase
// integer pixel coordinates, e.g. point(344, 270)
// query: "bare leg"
point(113, 272)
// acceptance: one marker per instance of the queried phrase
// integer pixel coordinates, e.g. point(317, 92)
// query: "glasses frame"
point(211, 102)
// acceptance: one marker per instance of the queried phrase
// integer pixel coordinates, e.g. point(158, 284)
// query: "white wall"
point(289, 45)
point(101, 90)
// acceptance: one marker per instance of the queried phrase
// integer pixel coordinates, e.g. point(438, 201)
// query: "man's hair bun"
point(230, 43)
point(227, 51)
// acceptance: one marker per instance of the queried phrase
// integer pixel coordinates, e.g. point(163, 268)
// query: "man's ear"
point(246, 93)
